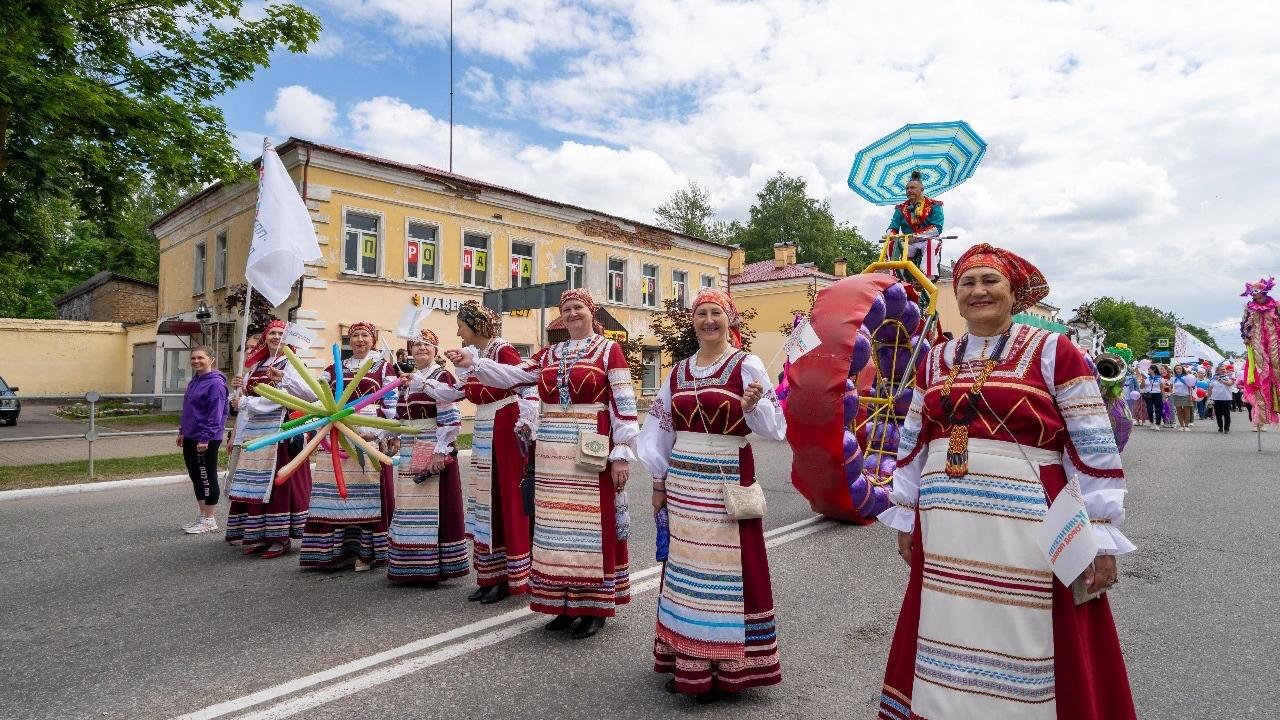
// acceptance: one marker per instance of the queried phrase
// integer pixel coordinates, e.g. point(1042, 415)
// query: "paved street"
point(39, 421)
point(109, 612)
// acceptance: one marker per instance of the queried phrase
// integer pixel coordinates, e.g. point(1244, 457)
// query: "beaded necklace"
point(568, 359)
point(959, 418)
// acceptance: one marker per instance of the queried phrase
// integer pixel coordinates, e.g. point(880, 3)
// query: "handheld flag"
point(283, 236)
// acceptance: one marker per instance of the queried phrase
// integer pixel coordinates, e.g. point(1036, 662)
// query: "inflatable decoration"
point(847, 398)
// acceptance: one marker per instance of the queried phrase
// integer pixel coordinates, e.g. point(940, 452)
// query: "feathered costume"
point(1260, 330)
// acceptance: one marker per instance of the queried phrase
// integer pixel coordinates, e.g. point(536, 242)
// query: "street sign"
point(1161, 354)
point(92, 396)
point(529, 297)
point(1162, 342)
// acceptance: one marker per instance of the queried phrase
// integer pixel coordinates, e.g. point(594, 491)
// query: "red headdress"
point(1029, 285)
point(262, 352)
point(722, 298)
point(583, 296)
point(366, 326)
point(425, 336)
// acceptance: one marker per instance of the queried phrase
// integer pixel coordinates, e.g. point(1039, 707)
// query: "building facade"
point(390, 230)
point(109, 297)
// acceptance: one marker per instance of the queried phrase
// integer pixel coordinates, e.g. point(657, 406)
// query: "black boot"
point(477, 593)
point(585, 627)
point(561, 622)
point(495, 594)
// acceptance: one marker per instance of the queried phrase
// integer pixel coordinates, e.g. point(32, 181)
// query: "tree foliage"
point(674, 327)
point(1140, 325)
point(689, 211)
point(106, 112)
point(784, 212)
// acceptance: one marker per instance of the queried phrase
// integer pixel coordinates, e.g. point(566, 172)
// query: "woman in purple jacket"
point(200, 431)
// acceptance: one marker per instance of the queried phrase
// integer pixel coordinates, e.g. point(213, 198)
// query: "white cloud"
point(301, 112)
point(329, 45)
point(478, 85)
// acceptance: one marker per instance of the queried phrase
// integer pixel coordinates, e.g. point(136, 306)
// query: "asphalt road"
point(109, 612)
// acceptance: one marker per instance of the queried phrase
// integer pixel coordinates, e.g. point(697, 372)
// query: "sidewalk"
point(39, 421)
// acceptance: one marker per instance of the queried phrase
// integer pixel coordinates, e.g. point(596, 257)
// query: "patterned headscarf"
point(425, 336)
point(583, 296)
point(1264, 286)
point(484, 322)
point(1029, 285)
point(366, 326)
point(722, 298)
point(263, 351)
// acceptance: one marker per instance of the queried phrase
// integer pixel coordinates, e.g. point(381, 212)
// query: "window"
point(573, 264)
point(525, 350)
point(617, 280)
point(197, 285)
point(651, 359)
point(521, 264)
point(422, 247)
point(475, 259)
point(220, 261)
point(707, 281)
point(649, 286)
point(177, 366)
point(680, 287)
point(360, 251)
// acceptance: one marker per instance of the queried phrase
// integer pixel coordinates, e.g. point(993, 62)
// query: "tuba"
point(1111, 368)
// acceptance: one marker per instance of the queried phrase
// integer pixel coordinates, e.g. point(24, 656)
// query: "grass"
point(77, 471)
point(166, 419)
point(17, 477)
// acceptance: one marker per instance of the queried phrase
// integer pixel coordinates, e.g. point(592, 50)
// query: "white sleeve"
point(766, 417)
point(501, 375)
point(657, 435)
point(441, 392)
point(293, 384)
point(624, 425)
point(912, 454)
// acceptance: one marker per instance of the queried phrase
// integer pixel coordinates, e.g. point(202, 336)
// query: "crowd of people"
point(1174, 397)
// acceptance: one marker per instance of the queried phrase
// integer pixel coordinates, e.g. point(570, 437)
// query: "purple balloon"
point(902, 402)
point(853, 466)
point(895, 299)
point(861, 354)
point(892, 362)
point(850, 442)
point(891, 331)
point(911, 317)
point(875, 314)
point(850, 402)
point(868, 499)
point(883, 435)
point(888, 463)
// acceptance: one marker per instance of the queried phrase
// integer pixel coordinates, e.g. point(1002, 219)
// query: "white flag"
point(1065, 535)
point(1187, 345)
point(298, 336)
point(411, 319)
point(803, 339)
point(283, 236)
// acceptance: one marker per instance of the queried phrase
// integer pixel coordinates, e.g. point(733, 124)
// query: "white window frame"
point(381, 251)
point(645, 354)
point(220, 260)
point(583, 266)
point(685, 282)
point(488, 254)
point(657, 284)
point(409, 221)
point(703, 284)
point(533, 259)
point(608, 280)
point(177, 360)
point(200, 265)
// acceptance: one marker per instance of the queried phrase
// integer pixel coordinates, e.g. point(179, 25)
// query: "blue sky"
point(1129, 143)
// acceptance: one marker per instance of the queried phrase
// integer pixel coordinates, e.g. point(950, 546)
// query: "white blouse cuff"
point(899, 518)
point(1110, 540)
point(623, 452)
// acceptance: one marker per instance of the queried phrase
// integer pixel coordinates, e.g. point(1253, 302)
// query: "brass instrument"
point(1111, 368)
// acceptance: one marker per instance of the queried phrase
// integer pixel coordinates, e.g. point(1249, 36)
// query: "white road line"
point(513, 628)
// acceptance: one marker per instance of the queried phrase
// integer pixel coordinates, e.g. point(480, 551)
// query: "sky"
point(1133, 147)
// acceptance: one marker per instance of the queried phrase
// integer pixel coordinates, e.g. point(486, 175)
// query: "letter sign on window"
point(515, 265)
point(480, 258)
point(526, 267)
point(369, 246)
point(413, 253)
point(429, 255)
point(467, 254)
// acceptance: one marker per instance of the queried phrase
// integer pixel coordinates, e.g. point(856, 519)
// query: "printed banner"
point(1065, 537)
point(803, 339)
point(298, 336)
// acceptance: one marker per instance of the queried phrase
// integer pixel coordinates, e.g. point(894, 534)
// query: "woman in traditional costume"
point(339, 528)
point(265, 517)
point(719, 636)
point(1260, 330)
point(580, 561)
point(1001, 420)
point(495, 518)
point(428, 533)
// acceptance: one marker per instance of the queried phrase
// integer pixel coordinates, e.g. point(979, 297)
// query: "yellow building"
point(1042, 314)
point(776, 289)
point(389, 230)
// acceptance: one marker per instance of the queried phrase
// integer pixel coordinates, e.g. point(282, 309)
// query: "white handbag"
point(744, 502)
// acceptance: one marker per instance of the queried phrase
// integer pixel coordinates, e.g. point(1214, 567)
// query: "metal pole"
point(450, 85)
point(542, 319)
point(93, 411)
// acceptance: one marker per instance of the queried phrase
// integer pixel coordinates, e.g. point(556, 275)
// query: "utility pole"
point(450, 85)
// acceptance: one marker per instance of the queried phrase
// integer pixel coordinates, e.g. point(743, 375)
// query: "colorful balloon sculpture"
point(332, 420)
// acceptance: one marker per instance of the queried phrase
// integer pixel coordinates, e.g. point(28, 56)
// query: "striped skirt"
point(496, 523)
point(338, 528)
point(715, 626)
point(580, 567)
point(426, 539)
point(985, 630)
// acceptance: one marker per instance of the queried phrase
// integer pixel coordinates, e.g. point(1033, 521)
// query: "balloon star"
point(334, 419)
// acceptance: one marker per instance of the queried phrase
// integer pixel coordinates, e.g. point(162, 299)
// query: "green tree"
point(100, 98)
point(689, 211)
point(1141, 325)
point(783, 212)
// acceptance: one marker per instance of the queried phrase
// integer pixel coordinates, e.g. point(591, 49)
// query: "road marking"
point(509, 625)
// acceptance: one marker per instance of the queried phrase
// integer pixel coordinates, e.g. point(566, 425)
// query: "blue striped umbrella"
point(945, 153)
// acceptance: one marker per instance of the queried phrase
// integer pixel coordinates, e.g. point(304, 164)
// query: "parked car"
point(10, 405)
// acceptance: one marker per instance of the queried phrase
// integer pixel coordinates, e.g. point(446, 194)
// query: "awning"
point(179, 327)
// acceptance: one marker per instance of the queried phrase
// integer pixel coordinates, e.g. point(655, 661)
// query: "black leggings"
point(1222, 411)
point(203, 469)
point(1155, 407)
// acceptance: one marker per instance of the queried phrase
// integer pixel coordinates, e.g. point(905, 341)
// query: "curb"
point(77, 489)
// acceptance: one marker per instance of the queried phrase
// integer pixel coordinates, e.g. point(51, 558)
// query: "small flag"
point(297, 336)
point(803, 339)
point(412, 317)
point(283, 236)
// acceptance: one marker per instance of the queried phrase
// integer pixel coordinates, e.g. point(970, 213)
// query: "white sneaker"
point(204, 525)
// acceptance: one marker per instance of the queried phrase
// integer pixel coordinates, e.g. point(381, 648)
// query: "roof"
point(433, 173)
point(765, 271)
point(98, 280)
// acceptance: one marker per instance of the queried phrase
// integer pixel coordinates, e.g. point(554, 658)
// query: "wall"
point(123, 302)
point(775, 303)
point(64, 357)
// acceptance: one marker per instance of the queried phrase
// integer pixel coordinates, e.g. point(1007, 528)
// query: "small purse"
point(421, 456)
point(593, 451)
point(744, 502)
